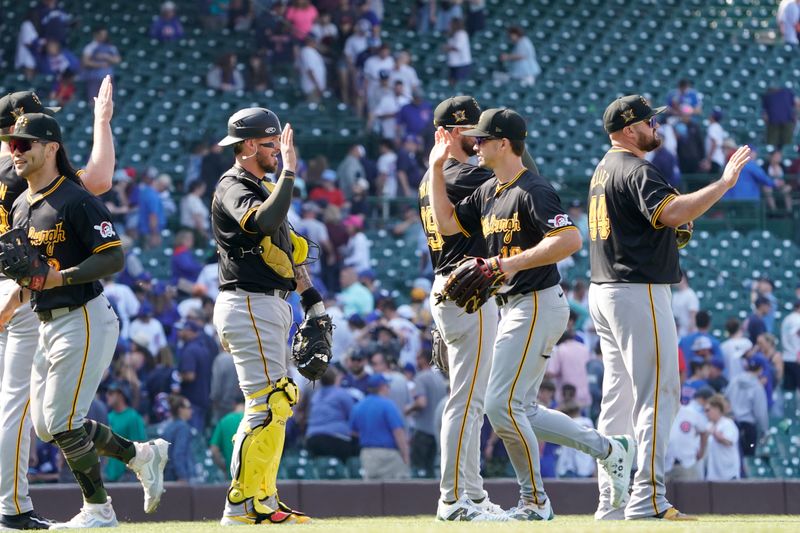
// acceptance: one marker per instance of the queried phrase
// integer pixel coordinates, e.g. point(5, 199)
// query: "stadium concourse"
point(358, 85)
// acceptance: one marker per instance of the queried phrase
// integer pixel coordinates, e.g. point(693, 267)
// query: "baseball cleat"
point(148, 465)
point(525, 511)
point(91, 515)
point(247, 513)
point(487, 506)
point(618, 466)
point(29, 520)
point(464, 510)
point(674, 514)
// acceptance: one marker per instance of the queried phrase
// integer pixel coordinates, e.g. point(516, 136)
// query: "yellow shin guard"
point(260, 450)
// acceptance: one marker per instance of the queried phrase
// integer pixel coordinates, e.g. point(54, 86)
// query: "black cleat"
point(29, 520)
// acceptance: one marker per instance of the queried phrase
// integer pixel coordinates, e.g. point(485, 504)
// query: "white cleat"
point(91, 515)
point(618, 466)
point(531, 512)
point(464, 510)
point(148, 465)
point(487, 506)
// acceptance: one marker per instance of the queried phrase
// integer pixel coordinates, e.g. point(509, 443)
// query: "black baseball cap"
point(35, 127)
point(251, 123)
point(460, 111)
point(501, 123)
point(13, 105)
point(628, 110)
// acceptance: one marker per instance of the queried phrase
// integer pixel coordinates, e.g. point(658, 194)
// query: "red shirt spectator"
point(328, 192)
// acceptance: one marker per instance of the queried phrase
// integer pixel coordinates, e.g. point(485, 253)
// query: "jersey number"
point(435, 240)
point(509, 251)
point(599, 225)
point(4, 227)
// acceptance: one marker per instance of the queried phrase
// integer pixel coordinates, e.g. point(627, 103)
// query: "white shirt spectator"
point(723, 461)
point(684, 303)
point(322, 31)
point(310, 63)
point(409, 333)
point(149, 333)
point(733, 350)
point(342, 335)
point(387, 165)
point(357, 252)
point(575, 462)
point(385, 112)
point(193, 208)
point(684, 437)
point(790, 337)
point(788, 17)
point(125, 303)
point(406, 74)
point(209, 278)
point(25, 41)
point(717, 134)
point(459, 53)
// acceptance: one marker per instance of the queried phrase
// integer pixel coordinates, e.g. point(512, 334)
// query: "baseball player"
point(526, 232)
point(634, 260)
point(469, 337)
point(259, 266)
point(20, 331)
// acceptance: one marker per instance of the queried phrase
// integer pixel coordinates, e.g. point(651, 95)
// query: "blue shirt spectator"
point(151, 212)
point(374, 420)
point(329, 412)
point(778, 106)
point(415, 117)
point(185, 265)
point(99, 58)
point(684, 95)
point(666, 162)
point(195, 361)
point(750, 182)
point(53, 21)
point(179, 434)
point(167, 27)
point(689, 342)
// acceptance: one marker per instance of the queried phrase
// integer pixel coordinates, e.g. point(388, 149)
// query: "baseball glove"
point(311, 346)
point(683, 235)
point(21, 261)
point(439, 351)
point(473, 282)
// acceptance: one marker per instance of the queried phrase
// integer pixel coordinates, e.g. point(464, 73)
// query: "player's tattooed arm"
point(443, 209)
point(100, 167)
point(303, 278)
point(95, 267)
point(310, 298)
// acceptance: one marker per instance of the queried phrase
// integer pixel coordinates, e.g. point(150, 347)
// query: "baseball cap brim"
point(228, 140)
point(475, 132)
point(656, 111)
point(6, 138)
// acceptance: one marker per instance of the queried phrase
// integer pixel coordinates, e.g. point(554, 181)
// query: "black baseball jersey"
point(237, 197)
point(461, 179)
point(11, 186)
point(626, 196)
point(513, 217)
point(67, 224)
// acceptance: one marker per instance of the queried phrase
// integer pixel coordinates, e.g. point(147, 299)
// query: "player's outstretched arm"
point(443, 211)
point(95, 267)
point(100, 168)
point(549, 251)
point(271, 214)
point(688, 207)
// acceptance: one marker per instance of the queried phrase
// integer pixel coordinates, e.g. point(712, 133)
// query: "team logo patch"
point(17, 112)
point(271, 131)
point(559, 221)
point(21, 122)
point(628, 115)
point(686, 427)
point(460, 116)
point(106, 229)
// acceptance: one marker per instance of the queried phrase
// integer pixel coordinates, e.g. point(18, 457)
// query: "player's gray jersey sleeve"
point(650, 192)
point(239, 203)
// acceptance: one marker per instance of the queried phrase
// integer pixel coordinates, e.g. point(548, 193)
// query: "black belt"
point(280, 293)
point(51, 314)
point(501, 299)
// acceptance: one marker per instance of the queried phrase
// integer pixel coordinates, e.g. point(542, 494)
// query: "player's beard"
point(648, 142)
point(468, 145)
point(266, 163)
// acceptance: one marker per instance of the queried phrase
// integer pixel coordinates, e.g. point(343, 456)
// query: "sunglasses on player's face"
point(480, 140)
point(20, 145)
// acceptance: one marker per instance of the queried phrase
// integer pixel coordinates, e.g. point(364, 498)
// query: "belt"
point(501, 299)
point(282, 294)
point(51, 314)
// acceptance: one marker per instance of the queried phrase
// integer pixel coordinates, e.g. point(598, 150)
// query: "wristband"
point(288, 174)
point(309, 298)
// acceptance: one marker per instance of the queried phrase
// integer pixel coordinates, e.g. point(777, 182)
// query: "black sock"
point(83, 461)
point(108, 443)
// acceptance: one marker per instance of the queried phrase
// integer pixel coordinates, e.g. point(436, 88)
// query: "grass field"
point(573, 524)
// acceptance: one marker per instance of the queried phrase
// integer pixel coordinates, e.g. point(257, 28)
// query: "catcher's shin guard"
point(255, 466)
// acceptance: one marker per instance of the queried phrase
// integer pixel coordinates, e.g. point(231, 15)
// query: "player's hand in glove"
point(21, 261)
point(473, 282)
point(683, 234)
point(311, 346)
point(439, 351)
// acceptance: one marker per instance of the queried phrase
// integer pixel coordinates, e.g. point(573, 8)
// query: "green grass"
point(573, 524)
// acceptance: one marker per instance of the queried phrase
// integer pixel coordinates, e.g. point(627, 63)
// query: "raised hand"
point(288, 155)
point(104, 101)
point(441, 148)
point(735, 164)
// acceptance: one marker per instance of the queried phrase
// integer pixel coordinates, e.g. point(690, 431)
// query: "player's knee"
point(41, 429)
point(497, 411)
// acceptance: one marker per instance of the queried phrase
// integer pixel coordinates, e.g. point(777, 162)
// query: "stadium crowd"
point(169, 375)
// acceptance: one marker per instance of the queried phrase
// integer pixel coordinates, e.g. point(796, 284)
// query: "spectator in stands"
point(715, 138)
point(301, 15)
point(699, 374)
point(151, 217)
point(788, 18)
point(325, 31)
point(44, 462)
point(409, 167)
point(688, 439)
point(690, 142)
point(224, 386)
point(350, 170)
point(28, 46)
point(124, 303)
point(240, 15)
point(570, 462)
point(724, 462)
point(405, 73)
point(702, 322)
point(401, 321)
point(56, 60)
point(356, 371)
point(357, 252)
point(328, 427)
point(382, 118)
point(195, 361)
point(354, 297)
point(146, 331)
point(161, 381)
point(177, 431)
point(384, 361)
point(386, 185)
point(774, 166)
point(459, 53)
point(99, 58)
point(256, 75)
point(416, 118)
point(185, 266)
point(430, 388)
point(167, 27)
point(195, 215)
point(779, 107)
point(213, 164)
point(764, 287)
point(64, 88)
point(595, 371)
point(327, 192)
point(716, 376)
point(377, 67)
point(359, 199)
point(124, 421)
point(567, 365)
point(312, 70)
point(378, 425)
point(734, 348)
point(665, 159)
point(521, 63)
point(224, 76)
point(221, 443)
point(684, 99)
point(749, 406)
point(754, 182)
point(476, 16)
point(755, 322)
point(685, 305)
point(790, 341)
point(54, 22)
point(772, 376)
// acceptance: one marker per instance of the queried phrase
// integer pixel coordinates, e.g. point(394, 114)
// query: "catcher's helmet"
point(251, 123)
